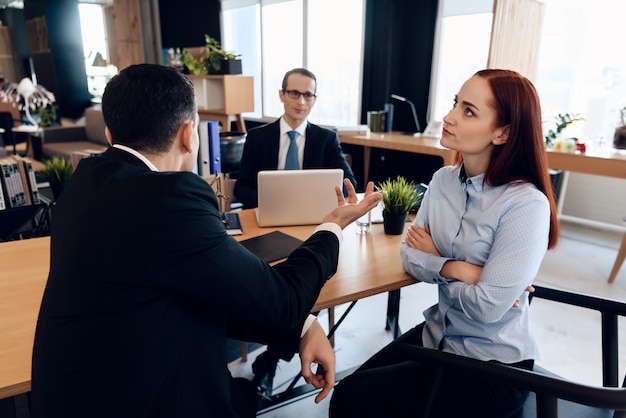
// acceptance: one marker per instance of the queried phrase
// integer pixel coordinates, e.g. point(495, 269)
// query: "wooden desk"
point(368, 265)
point(610, 162)
point(399, 142)
point(23, 278)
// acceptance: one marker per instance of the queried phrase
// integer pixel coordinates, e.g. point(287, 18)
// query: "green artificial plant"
point(57, 171)
point(209, 61)
point(400, 195)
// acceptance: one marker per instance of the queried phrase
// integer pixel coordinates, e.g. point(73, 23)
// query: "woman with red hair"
point(480, 235)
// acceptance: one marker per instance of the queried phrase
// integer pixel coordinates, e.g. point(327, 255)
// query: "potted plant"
point(561, 121)
point(47, 115)
point(210, 59)
point(400, 195)
point(57, 172)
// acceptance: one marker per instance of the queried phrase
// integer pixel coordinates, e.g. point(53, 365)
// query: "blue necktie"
point(291, 162)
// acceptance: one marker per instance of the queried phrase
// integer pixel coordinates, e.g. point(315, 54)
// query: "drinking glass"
point(364, 223)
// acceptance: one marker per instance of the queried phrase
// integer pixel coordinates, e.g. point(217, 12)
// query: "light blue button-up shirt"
point(505, 230)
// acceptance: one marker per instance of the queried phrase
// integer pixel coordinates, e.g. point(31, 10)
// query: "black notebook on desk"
point(272, 246)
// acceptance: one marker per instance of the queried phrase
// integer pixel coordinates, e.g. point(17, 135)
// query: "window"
point(325, 36)
point(94, 47)
point(582, 67)
point(464, 34)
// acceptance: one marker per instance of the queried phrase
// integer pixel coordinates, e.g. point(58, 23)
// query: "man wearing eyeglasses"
point(269, 147)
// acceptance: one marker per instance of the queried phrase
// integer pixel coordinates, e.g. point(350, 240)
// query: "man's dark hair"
point(145, 104)
point(301, 71)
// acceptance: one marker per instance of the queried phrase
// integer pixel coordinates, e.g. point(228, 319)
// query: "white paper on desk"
point(377, 214)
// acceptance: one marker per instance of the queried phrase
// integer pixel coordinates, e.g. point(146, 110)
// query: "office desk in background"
point(428, 145)
point(607, 162)
point(368, 265)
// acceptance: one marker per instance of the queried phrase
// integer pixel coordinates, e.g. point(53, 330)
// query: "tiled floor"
point(569, 338)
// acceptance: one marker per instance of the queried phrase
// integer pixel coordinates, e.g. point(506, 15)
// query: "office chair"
point(9, 137)
point(551, 395)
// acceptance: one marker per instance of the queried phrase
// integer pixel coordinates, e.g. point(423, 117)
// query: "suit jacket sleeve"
point(197, 259)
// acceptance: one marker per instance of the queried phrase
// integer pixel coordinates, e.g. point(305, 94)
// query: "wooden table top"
point(604, 162)
point(23, 276)
point(423, 144)
point(368, 265)
point(609, 162)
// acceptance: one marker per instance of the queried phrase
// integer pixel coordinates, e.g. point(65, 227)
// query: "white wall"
point(596, 198)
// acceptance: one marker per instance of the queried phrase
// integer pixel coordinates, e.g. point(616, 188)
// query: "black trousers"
point(389, 385)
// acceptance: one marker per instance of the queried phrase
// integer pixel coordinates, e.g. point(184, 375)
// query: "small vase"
point(393, 224)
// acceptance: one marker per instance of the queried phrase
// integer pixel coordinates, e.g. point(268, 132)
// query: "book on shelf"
point(12, 182)
point(21, 170)
point(232, 223)
point(18, 183)
point(33, 189)
point(4, 203)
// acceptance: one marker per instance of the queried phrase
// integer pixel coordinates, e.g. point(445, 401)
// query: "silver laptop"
point(296, 197)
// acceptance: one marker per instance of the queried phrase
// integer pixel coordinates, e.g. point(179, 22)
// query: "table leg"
point(367, 152)
point(331, 324)
point(393, 313)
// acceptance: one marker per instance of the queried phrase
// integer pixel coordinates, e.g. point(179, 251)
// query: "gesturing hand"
point(349, 210)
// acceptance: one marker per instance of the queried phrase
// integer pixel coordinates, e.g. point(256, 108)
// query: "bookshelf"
point(224, 98)
point(23, 209)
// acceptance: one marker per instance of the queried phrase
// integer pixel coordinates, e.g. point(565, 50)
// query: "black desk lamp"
point(417, 123)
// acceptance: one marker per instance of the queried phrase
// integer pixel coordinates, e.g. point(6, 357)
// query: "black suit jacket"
point(260, 152)
point(144, 287)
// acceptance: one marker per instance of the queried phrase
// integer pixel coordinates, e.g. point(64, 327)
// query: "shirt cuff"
point(331, 227)
point(307, 324)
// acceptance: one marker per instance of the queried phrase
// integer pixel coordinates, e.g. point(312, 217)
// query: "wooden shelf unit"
point(224, 98)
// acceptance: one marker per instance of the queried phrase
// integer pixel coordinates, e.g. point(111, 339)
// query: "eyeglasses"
point(295, 94)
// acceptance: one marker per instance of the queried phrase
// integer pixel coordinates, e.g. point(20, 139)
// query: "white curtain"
point(516, 35)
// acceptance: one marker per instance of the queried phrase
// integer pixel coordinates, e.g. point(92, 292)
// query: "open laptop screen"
point(296, 197)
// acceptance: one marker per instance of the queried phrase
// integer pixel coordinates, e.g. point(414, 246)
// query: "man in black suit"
point(267, 147)
point(145, 284)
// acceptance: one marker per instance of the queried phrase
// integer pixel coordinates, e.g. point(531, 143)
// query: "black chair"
point(553, 396)
point(9, 137)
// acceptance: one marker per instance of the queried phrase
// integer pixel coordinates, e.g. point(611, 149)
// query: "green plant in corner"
point(399, 195)
point(561, 121)
point(57, 171)
point(209, 61)
point(47, 115)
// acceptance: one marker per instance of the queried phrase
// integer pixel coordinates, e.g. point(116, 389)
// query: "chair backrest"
point(6, 123)
point(549, 389)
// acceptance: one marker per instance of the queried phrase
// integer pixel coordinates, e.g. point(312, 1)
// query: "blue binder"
point(209, 154)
